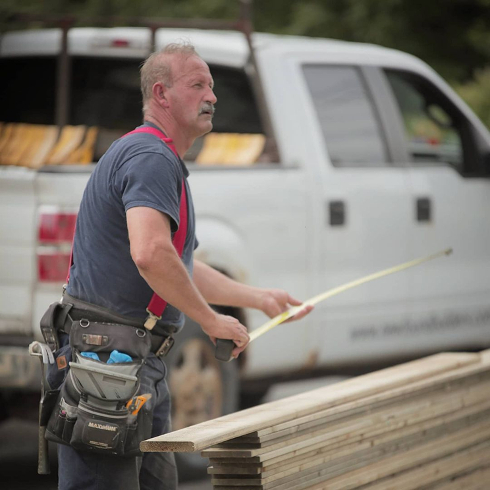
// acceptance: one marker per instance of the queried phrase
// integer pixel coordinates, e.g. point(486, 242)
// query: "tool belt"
point(59, 317)
point(94, 409)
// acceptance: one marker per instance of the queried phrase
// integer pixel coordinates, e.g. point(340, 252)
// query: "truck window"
point(435, 130)
point(347, 116)
point(105, 92)
point(28, 88)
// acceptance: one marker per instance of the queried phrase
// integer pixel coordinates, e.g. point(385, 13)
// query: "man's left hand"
point(277, 301)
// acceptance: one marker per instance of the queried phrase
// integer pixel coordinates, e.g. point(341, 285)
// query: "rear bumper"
point(19, 370)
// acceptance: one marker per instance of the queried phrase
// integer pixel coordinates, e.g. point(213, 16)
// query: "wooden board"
point(271, 414)
point(414, 403)
point(70, 139)
point(349, 432)
point(231, 149)
point(417, 453)
point(420, 455)
point(84, 154)
point(427, 433)
point(354, 443)
point(43, 140)
point(437, 472)
point(474, 480)
point(425, 387)
point(351, 455)
point(17, 143)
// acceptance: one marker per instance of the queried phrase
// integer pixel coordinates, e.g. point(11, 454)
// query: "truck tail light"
point(55, 237)
point(120, 43)
point(56, 227)
point(52, 267)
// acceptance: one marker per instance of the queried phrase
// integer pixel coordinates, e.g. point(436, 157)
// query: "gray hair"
point(157, 67)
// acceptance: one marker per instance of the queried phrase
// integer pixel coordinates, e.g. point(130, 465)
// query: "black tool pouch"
point(52, 320)
point(91, 413)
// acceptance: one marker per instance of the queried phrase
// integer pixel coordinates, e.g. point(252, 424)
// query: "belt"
point(75, 309)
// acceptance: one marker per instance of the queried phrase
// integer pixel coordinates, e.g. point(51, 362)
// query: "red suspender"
point(157, 305)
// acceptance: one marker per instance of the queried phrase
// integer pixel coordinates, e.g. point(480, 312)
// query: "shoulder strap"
point(157, 305)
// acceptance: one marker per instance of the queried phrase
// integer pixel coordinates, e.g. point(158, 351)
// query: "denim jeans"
point(154, 471)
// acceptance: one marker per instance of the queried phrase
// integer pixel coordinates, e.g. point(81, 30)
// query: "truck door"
point(363, 211)
point(445, 147)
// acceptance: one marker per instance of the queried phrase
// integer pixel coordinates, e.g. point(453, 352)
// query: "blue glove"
point(117, 356)
point(91, 355)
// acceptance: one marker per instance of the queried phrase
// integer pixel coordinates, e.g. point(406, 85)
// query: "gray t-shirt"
point(137, 170)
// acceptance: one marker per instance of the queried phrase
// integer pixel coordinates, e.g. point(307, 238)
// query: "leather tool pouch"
point(91, 413)
point(52, 320)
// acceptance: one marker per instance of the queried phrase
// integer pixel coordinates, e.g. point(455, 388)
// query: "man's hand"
point(277, 301)
point(227, 327)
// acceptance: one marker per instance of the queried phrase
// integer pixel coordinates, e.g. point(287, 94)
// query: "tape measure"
point(224, 347)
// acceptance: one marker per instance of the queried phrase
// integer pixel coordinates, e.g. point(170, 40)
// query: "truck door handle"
point(336, 211)
point(423, 209)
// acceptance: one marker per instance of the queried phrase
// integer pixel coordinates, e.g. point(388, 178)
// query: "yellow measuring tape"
point(274, 322)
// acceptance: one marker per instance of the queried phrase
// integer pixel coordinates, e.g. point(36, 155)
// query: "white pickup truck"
point(378, 161)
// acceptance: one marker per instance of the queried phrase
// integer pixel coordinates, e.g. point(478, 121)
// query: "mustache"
point(207, 108)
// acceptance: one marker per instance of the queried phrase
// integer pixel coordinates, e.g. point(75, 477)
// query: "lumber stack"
point(423, 424)
point(231, 149)
point(36, 145)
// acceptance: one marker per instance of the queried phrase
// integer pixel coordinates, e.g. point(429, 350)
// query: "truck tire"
point(201, 388)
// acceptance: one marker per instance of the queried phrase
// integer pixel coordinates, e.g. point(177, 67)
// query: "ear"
point(159, 91)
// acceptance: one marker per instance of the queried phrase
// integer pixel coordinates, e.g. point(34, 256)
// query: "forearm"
point(167, 276)
point(158, 263)
point(219, 289)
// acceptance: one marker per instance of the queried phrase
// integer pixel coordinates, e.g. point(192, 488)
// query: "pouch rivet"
point(84, 323)
point(140, 333)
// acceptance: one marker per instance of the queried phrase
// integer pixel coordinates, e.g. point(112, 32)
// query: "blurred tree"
point(476, 93)
point(453, 36)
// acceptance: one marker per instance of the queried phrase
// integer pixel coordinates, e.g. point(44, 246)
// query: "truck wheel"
point(201, 388)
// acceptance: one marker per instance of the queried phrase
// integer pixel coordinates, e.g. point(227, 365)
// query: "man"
point(123, 252)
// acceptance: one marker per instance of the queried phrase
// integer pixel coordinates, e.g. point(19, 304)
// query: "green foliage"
point(453, 36)
point(476, 93)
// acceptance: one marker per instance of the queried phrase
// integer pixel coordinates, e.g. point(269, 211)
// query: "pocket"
point(105, 382)
point(50, 400)
point(100, 430)
point(138, 431)
point(95, 336)
point(89, 427)
point(60, 424)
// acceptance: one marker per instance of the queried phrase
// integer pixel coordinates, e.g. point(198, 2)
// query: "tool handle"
point(224, 349)
point(43, 453)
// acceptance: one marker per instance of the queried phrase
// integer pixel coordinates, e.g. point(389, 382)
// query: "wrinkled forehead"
point(183, 66)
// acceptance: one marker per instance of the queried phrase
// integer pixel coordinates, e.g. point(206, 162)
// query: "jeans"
point(154, 471)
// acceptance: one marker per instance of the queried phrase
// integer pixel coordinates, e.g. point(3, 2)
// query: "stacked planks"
point(231, 149)
point(423, 424)
point(36, 145)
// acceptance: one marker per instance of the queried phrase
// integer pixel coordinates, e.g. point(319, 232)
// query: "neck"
point(181, 143)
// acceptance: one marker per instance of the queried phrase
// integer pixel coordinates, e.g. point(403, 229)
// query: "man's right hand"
point(227, 327)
